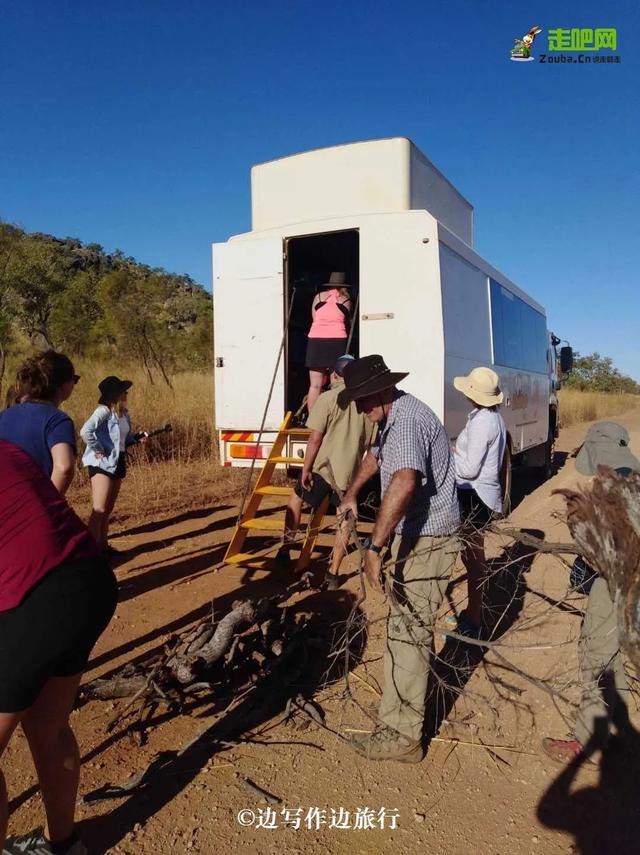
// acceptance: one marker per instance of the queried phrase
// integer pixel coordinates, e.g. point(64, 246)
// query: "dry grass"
point(188, 406)
point(165, 488)
point(180, 471)
point(578, 406)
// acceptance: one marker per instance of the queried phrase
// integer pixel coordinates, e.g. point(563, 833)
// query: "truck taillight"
point(248, 452)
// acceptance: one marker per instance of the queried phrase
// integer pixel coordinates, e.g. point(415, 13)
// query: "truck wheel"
point(546, 470)
point(505, 481)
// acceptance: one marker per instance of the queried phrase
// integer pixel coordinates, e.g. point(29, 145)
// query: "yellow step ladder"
point(251, 522)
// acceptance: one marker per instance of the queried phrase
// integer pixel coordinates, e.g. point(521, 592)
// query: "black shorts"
point(323, 352)
point(316, 495)
point(119, 473)
point(53, 630)
point(473, 510)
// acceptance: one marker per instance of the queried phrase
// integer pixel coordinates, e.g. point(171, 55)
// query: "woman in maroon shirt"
point(57, 595)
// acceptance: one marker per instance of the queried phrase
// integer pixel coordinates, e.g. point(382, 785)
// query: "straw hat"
point(481, 385)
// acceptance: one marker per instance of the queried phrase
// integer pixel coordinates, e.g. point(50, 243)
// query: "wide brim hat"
point(481, 386)
point(606, 444)
point(366, 376)
point(112, 387)
point(337, 280)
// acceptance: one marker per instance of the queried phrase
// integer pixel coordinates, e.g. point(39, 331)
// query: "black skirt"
point(322, 353)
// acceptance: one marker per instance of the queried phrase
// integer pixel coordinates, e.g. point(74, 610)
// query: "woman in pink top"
point(328, 335)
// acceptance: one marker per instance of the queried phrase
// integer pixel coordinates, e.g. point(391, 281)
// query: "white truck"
point(381, 212)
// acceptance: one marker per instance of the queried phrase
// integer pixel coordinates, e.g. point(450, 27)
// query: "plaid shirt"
point(412, 437)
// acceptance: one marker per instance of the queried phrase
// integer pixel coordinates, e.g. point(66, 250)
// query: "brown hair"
point(41, 376)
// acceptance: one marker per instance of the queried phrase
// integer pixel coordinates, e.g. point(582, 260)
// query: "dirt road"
point(483, 787)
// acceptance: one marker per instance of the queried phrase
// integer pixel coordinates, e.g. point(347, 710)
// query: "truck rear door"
point(248, 319)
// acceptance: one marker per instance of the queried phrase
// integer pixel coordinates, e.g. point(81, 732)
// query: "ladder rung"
point(248, 558)
point(264, 523)
point(292, 461)
point(273, 491)
point(302, 432)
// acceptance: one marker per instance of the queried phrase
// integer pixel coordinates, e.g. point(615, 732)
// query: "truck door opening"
point(310, 260)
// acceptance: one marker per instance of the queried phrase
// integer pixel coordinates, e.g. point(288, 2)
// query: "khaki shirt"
point(346, 436)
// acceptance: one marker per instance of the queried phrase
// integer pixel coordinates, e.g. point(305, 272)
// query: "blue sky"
point(135, 125)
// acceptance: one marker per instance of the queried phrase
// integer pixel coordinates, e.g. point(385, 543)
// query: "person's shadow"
point(603, 818)
point(503, 599)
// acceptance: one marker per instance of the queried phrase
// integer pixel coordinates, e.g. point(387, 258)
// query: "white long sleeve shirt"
point(478, 455)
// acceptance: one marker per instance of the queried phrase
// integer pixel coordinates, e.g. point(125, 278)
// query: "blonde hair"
point(118, 407)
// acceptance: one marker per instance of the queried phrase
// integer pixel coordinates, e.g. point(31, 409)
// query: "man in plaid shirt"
point(419, 505)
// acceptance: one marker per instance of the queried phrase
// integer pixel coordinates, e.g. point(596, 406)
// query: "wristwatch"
point(367, 543)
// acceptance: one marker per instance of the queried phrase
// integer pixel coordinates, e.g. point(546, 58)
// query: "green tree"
point(133, 309)
point(75, 313)
point(597, 373)
point(37, 277)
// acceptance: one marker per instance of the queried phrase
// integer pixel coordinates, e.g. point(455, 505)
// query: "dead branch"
point(255, 790)
point(604, 519)
point(535, 542)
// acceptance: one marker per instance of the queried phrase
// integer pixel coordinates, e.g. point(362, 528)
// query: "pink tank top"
point(330, 320)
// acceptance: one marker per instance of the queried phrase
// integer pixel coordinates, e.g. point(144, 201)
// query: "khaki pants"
point(416, 583)
point(600, 658)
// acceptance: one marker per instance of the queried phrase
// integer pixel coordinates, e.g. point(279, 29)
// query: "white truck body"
point(426, 300)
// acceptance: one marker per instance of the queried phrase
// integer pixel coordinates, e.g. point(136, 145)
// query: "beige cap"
point(481, 385)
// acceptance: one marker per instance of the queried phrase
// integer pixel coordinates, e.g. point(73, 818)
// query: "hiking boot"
point(562, 750)
point(387, 744)
point(35, 843)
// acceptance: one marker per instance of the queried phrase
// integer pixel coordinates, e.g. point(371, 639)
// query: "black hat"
point(111, 388)
point(366, 376)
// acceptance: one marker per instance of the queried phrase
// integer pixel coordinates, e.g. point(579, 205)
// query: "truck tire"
point(547, 469)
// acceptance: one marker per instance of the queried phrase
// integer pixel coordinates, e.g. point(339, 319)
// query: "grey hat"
point(606, 444)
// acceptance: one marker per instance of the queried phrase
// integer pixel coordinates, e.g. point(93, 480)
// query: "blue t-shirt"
point(36, 427)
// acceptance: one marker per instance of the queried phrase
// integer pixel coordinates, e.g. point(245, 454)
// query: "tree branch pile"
point(211, 657)
point(604, 520)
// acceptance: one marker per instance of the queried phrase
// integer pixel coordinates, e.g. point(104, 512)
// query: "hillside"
point(75, 297)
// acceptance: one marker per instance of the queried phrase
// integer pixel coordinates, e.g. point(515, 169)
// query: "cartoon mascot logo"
point(522, 51)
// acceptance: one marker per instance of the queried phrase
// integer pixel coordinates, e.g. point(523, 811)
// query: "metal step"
point(273, 491)
point(264, 524)
point(248, 558)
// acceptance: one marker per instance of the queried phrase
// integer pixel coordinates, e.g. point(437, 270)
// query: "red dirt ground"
point(479, 789)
